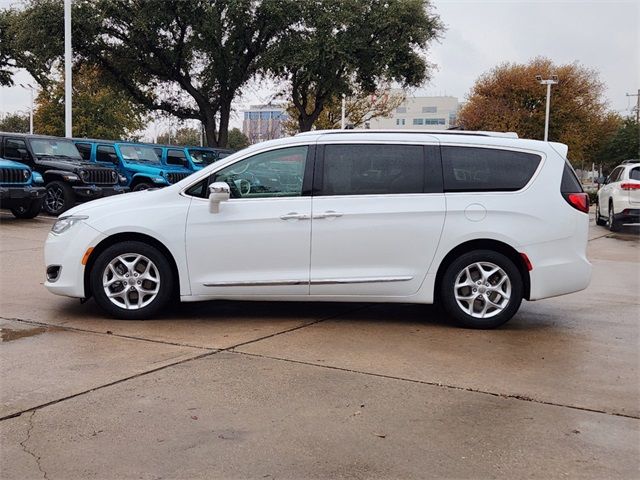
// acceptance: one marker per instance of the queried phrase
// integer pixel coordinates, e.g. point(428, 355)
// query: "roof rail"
point(633, 160)
point(426, 132)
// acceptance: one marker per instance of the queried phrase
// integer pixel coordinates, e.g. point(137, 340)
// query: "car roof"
point(33, 135)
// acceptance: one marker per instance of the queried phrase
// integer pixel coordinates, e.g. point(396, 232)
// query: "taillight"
point(630, 186)
point(579, 201)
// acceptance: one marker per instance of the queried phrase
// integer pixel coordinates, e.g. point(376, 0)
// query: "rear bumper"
point(94, 191)
point(22, 193)
point(560, 266)
point(628, 215)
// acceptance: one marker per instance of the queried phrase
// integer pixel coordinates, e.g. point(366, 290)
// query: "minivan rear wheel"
point(481, 289)
point(132, 280)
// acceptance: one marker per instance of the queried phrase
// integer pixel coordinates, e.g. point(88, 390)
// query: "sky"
point(599, 34)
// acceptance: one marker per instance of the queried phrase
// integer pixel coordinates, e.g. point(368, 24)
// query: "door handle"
point(328, 214)
point(294, 216)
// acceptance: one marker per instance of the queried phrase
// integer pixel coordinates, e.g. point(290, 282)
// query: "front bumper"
point(94, 191)
point(27, 192)
point(66, 252)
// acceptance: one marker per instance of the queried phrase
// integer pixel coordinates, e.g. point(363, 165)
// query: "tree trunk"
point(209, 121)
point(305, 122)
point(225, 115)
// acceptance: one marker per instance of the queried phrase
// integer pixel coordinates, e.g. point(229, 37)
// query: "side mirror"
point(218, 192)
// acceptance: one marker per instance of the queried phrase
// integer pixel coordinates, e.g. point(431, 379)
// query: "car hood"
point(11, 164)
point(114, 202)
point(155, 167)
point(66, 164)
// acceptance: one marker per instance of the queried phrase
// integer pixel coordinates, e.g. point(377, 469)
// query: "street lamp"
point(31, 88)
point(548, 82)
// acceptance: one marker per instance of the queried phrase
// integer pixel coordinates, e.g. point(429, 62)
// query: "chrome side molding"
point(323, 281)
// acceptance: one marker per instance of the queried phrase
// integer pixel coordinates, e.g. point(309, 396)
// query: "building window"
point(434, 121)
point(418, 121)
point(403, 120)
point(452, 118)
point(401, 110)
point(429, 109)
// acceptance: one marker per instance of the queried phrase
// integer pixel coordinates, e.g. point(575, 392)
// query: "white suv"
point(619, 198)
point(476, 221)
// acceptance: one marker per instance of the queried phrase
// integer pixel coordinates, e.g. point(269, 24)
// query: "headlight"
point(37, 178)
point(26, 174)
point(64, 224)
point(114, 175)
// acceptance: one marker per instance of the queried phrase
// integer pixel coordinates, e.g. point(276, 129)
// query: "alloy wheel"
point(131, 281)
point(482, 289)
point(54, 200)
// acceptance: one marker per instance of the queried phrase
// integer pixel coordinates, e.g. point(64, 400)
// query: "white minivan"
point(476, 221)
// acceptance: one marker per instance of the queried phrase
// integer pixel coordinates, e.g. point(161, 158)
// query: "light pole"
point(548, 82)
point(30, 87)
point(342, 115)
point(68, 131)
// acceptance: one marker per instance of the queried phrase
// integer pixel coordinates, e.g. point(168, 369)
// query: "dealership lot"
point(274, 390)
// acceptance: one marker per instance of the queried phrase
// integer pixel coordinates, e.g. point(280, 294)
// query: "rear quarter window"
point(475, 169)
point(634, 174)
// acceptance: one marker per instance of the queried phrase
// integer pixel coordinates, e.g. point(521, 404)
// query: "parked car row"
point(53, 174)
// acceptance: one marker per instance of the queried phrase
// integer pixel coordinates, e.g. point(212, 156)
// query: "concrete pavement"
point(273, 390)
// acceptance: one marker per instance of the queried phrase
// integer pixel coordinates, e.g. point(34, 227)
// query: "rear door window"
point(475, 169)
point(85, 150)
point(176, 157)
point(352, 169)
point(106, 153)
point(634, 174)
point(15, 149)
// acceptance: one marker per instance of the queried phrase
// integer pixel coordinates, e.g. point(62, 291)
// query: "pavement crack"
point(110, 384)
point(107, 333)
point(516, 396)
point(293, 329)
point(26, 449)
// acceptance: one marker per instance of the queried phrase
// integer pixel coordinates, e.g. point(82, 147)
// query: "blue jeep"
point(138, 162)
point(194, 158)
point(21, 190)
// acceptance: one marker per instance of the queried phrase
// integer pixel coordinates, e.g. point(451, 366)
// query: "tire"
point(507, 294)
point(614, 225)
point(141, 186)
point(29, 210)
point(110, 273)
point(599, 220)
point(59, 198)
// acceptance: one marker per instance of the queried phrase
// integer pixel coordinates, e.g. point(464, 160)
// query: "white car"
point(474, 220)
point(619, 197)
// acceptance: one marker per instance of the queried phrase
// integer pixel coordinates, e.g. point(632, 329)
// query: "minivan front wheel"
point(132, 280)
point(481, 289)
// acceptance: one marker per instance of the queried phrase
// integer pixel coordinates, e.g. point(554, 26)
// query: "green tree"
point(15, 122)
point(624, 144)
point(237, 139)
point(185, 58)
point(189, 59)
point(100, 110)
point(182, 136)
point(340, 46)
point(33, 39)
point(509, 98)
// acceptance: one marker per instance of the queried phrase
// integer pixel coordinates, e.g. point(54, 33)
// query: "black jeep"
point(67, 177)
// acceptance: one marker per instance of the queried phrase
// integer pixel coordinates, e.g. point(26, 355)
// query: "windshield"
point(44, 147)
point(203, 157)
point(138, 153)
